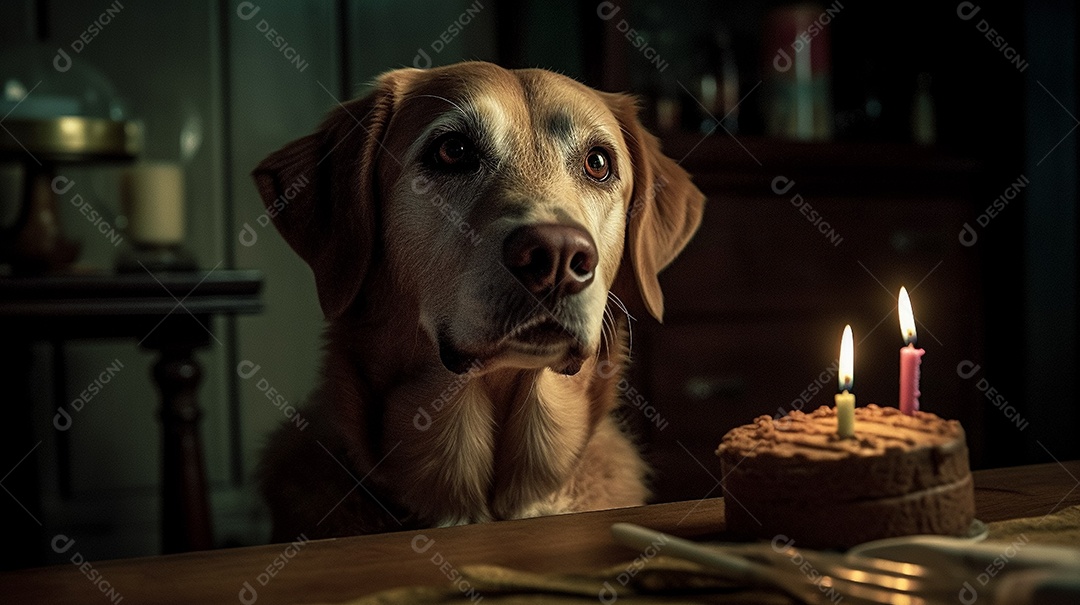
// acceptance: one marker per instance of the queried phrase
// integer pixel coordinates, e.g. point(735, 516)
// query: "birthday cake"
point(796, 479)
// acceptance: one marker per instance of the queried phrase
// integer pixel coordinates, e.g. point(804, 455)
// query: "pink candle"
point(910, 358)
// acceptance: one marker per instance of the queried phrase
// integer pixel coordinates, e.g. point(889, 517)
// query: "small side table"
point(168, 312)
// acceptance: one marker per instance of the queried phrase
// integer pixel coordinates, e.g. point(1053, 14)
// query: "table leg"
point(185, 514)
point(20, 499)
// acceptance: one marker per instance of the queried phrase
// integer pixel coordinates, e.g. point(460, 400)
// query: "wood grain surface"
point(336, 570)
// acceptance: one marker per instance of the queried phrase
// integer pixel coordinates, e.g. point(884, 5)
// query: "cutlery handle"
point(636, 536)
point(975, 556)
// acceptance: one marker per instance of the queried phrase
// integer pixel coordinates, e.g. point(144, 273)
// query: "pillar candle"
point(153, 202)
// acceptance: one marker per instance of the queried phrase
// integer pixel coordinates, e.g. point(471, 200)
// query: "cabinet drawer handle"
point(702, 388)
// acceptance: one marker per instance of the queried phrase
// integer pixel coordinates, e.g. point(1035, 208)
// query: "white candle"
point(153, 201)
point(845, 401)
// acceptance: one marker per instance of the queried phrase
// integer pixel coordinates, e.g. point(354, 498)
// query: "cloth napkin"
point(660, 579)
point(1061, 528)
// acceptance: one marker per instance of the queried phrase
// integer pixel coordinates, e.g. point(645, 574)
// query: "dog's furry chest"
point(425, 455)
point(481, 454)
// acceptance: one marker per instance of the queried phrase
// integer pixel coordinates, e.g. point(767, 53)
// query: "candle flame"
point(847, 360)
point(907, 318)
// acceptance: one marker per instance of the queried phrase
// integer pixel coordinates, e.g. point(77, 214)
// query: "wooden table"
point(336, 570)
point(170, 313)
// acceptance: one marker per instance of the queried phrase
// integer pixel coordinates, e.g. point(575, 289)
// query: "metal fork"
point(814, 577)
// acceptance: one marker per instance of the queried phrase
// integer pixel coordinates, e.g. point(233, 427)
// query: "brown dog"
point(465, 226)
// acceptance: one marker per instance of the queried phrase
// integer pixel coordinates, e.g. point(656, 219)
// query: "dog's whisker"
point(604, 341)
point(609, 327)
point(630, 319)
point(618, 302)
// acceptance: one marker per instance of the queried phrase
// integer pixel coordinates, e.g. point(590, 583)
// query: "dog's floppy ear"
point(665, 207)
point(320, 191)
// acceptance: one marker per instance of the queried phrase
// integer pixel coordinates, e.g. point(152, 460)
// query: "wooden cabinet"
point(757, 302)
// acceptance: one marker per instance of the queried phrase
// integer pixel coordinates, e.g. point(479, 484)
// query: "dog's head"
point(500, 203)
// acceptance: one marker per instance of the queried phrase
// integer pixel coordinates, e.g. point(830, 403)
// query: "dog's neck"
point(469, 447)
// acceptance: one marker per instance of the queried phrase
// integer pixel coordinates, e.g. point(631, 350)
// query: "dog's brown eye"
point(597, 164)
point(454, 151)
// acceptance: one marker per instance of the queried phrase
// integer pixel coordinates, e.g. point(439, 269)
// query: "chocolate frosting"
point(813, 435)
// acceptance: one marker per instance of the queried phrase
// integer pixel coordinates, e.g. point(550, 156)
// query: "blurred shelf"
point(722, 161)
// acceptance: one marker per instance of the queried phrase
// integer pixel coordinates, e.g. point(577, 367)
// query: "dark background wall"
point(203, 70)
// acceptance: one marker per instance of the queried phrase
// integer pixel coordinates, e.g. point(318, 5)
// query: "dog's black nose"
point(551, 258)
